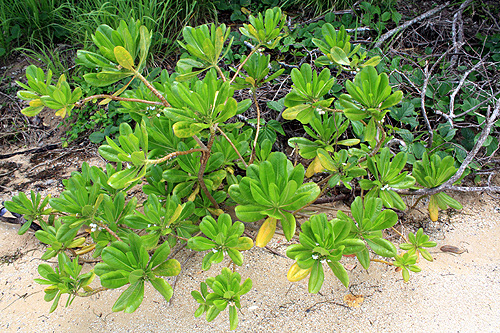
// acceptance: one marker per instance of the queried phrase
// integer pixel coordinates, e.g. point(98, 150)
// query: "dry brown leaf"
point(353, 301)
point(452, 249)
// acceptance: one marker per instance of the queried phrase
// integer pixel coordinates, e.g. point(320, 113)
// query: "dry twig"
point(394, 31)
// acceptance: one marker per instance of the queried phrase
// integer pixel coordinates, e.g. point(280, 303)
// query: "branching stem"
point(252, 157)
point(234, 147)
point(80, 103)
point(90, 293)
point(175, 154)
point(244, 62)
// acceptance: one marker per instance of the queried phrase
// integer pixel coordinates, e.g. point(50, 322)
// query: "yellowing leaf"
point(314, 167)
point(433, 208)
point(353, 301)
point(193, 195)
point(123, 57)
point(295, 273)
point(77, 242)
point(216, 212)
point(266, 232)
point(245, 11)
point(61, 112)
point(36, 103)
point(85, 249)
point(175, 215)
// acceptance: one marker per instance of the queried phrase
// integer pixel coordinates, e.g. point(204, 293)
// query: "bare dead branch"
point(457, 89)
point(423, 91)
point(458, 32)
point(394, 31)
point(448, 185)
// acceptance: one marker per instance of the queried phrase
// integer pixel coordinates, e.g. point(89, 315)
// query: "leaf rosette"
point(271, 190)
point(322, 241)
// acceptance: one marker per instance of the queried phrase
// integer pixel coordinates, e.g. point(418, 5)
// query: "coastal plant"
point(206, 177)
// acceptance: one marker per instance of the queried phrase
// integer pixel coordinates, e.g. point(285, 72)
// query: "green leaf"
point(130, 299)
point(185, 129)
point(339, 272)
point(382, 247)
point(339, 56)
point(316, 278)
point(233, 317)
point(163, 287)
point(170, 267)
point(200, 244)
point(160, 255)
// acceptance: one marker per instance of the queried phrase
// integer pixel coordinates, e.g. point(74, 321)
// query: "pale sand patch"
point(454, 293)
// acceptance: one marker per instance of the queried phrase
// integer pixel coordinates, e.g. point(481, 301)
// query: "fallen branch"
point(457, 89)
point(458, 33)
point(30, 151)
point(394, 31)
point(423, 92)
point(448, 185)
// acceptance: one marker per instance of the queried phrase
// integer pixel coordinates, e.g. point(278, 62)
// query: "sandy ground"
point(455, 293)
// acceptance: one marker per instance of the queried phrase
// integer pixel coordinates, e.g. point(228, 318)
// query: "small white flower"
point(317, 244)
point(315, 256)
point(328, 260)
point(320, 111)
point(149, 225)
point(323, 261)
point(215, 250)
point(385, 188)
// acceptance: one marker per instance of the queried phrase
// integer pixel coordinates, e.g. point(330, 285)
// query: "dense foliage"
point(198, 159)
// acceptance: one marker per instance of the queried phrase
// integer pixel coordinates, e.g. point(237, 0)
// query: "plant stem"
point(378, 146)
point(244, 62)
point(199, 142)
point(175, 154)
point(382, 261)
point(153, 89)
point(102, 225)
point(90, 293)
point(252, 157)
point(319, 195)
point(232, 145)
point(400, 234)
point(416, 202)
point(80, 103)
point(203, 164)
point(217, 68)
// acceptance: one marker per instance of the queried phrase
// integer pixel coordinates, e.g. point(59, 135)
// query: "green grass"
point(42, 24)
